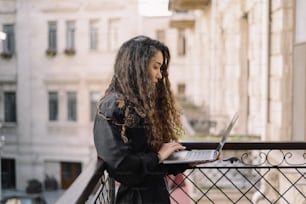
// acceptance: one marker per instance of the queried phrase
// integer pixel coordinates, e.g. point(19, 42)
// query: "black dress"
point(133, 164)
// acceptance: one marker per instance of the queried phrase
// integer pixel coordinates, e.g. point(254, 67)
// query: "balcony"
point(182, 24)
point(184, 5)
point(257, 172)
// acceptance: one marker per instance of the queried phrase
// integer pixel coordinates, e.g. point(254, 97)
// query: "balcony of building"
point(185, 5)
point(249, 172)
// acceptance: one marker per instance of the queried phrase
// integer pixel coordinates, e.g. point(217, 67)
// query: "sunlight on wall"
point(2, 36)
point(154, 8)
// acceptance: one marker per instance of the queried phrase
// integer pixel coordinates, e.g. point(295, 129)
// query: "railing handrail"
point(254, 145)
point(83, 186)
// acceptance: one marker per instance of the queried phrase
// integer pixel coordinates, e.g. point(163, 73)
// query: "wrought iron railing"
point(256, 172)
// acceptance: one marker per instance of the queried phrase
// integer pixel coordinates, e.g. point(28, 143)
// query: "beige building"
point(248, 56)
point(227, 56)
point(55, 64)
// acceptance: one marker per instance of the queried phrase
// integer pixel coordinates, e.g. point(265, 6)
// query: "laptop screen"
point(225, 133)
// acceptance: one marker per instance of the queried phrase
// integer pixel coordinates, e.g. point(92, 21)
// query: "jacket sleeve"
point(123, 164)
point(175, 168)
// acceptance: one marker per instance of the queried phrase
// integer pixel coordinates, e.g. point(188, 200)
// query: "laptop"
point(204, 155)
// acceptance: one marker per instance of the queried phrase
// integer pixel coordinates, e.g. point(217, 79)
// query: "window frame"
point(93, 35)
point(70, 35)
point(113, 30)
point(52, 35)
point(161, 35)
point(9, 42)
point(53, 104)
point(94, 97)
point(181, 43)
point(299, 73)
point(72, 104)
point(10, 109)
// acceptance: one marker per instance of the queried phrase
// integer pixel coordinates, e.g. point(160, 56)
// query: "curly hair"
point(154, 103)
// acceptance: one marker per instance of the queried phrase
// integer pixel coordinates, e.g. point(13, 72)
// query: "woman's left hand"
point(168, 148)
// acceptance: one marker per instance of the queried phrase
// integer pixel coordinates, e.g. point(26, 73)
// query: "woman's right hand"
point(168, 148)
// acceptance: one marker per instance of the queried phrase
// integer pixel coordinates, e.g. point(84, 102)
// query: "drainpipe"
point(266, 69)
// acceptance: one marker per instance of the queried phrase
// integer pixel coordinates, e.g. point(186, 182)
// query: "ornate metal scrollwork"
point(272, 158)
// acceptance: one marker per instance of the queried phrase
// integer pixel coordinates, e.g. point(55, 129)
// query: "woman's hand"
point(168, 148)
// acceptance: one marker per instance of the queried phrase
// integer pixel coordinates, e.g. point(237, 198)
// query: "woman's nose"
point(159, 74)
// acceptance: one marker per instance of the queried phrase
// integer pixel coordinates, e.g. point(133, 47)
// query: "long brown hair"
point(154, 103)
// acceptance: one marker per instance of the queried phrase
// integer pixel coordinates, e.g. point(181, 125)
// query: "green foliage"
point(50, 183)
point(34, 186)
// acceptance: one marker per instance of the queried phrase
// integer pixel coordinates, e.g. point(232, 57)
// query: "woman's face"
point(155, 65)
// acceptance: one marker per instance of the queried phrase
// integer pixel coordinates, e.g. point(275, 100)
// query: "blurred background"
point(56, 60)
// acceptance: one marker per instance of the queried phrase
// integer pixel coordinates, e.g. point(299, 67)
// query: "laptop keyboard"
point(199, 155)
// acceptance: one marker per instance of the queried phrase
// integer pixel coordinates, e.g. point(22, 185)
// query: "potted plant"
point(34, 186)
point(51, 52)
point(50, 183)
point(6, 54)
point(69, 51)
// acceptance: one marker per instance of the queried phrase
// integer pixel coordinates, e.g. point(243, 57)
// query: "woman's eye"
point(162, 68)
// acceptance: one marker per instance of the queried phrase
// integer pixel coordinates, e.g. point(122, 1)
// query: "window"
point(160, 35)
point(181, 50)
point(8, 176)
point(299, 73)
point(70, 35)
point(94, 98)
point(93, 35)
point(10, 107)
point(9, 42)
point(69, 172)
point(181, 89)
point(53, 106)
point(113, 34)
point(71, 106)
point(52, 35)
point(300, 15)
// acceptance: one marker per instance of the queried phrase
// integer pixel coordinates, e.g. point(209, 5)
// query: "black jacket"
point(133, 164)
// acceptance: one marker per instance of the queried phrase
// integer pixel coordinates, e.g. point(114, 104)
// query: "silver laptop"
point(204, 155)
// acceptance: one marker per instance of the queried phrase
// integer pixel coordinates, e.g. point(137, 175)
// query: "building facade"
point(248, 56)
point(55, 64)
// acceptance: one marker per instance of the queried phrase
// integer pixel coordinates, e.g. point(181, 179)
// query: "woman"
point(136, 126)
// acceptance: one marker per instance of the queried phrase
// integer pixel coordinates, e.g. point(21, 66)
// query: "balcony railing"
point(256, 172)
